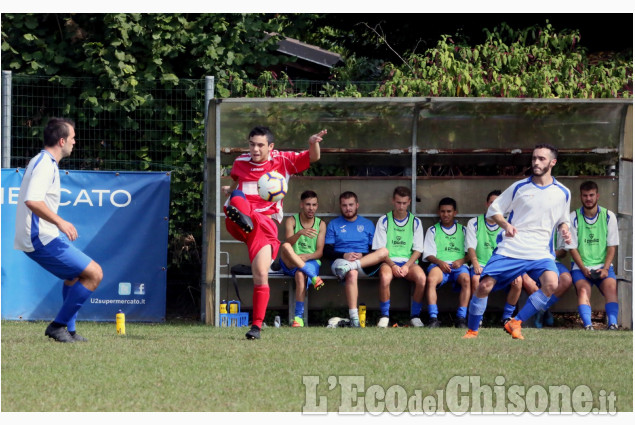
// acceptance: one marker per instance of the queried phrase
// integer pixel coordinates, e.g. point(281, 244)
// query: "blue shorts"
point(536, 277)
point(507, 287)
point(453, 276)
point(578, 275)
point(504, 269)
point(61, 258)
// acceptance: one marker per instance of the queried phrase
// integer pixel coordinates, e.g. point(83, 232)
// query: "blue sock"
point(611, 310)
point(299, 308)
point(415, 310)
point(461, 312)
point(585, 314)
point(433, 311)
point(508, 310)
point(71, 323)
point(477, 308)
point(307, 271)
point(551, 301)
point(75, 298)
point(384, 308)
point(535, 303)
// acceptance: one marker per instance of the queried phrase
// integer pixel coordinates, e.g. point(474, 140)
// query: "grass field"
point(183, 366)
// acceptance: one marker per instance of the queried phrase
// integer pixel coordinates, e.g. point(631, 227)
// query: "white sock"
point(352, 313)
point(355, 265)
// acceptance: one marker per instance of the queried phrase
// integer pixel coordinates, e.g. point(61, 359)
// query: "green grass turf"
point(182, 366)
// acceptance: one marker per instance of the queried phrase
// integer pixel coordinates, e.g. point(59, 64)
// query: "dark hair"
point(402, 191)
point(552, 148)
point(261, 131)
point(589, 185)
point(348, 194)
point(56, 129)
point(447, 201)
point(493, 193)
point(307, 194)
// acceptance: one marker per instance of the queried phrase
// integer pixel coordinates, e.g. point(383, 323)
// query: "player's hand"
point(456, 264)
point(586, 272)
point(477, 268)
point(225, 190)
point(445, 267)
point(317, 138)
point(309, 233)
point(604, 273)
point(403, 270)
point(68, 229)
point(510, 231)
point(566, 234)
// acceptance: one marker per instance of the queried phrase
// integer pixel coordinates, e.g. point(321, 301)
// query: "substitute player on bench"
point(301, 252)
point(595, 240)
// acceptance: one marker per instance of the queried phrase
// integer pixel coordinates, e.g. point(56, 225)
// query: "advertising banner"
point(122, 222)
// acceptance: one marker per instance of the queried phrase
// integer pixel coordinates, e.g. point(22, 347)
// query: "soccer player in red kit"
point(251, 219)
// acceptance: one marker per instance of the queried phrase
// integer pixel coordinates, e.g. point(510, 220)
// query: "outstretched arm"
point(314, 146)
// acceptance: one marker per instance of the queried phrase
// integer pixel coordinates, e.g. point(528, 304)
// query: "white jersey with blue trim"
point(41, 182)
point(536, 212)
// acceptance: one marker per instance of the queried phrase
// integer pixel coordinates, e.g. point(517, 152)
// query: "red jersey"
point(247, 173)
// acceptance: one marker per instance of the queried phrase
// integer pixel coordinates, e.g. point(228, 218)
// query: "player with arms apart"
point(251, 219)
point(402, 234)
point(594, 242)
point(46, 237)
point(535, 208)
point(301, 252)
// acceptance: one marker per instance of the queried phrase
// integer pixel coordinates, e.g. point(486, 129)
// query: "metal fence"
point(147, 133)
point(112, 134)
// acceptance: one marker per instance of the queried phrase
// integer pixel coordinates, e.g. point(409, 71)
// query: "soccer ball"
point(272, 186)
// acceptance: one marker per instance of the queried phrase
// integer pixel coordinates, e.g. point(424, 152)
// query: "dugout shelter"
point(457, 147)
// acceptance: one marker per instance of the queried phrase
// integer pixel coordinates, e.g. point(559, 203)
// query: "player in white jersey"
point(38, 228)
point(536, 207)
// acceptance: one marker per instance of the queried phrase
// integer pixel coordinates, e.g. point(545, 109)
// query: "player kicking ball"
point(254, 220)
point(536, 206)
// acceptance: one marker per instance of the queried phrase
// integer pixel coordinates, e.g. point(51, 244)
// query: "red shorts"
point(265, 233)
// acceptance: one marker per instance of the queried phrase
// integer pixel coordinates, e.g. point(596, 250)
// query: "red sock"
point(242, 204)
point(260, 301)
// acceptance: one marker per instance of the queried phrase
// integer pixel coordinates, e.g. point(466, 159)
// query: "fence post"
point(209, 95)
point(6, 119)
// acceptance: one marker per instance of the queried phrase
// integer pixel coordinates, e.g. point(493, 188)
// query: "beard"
point(539, 172)
point(349, 214)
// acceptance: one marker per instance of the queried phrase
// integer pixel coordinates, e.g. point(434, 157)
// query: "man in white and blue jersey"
point(536, 207)
point(401, 233)
point(46, 237)
point(444, 248)
point(348, 244)
point(593, 246)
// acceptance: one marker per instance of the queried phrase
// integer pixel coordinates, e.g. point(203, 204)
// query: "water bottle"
point(233, 307)
point(362, 315)
point(276, 321)
point(120, 320)
point(223, 307)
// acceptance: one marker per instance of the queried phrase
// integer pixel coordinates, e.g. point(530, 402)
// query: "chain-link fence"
point(144, 133)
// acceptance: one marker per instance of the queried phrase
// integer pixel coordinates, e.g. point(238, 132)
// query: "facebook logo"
point(139, 288)
point(124, 288)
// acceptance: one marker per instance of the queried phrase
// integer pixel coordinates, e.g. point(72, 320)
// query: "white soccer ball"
point(272, 186)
